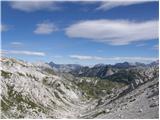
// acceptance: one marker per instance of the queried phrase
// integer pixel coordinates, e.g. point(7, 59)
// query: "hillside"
point(38, 91)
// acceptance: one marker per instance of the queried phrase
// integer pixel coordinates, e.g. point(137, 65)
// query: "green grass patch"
point(5, 74)
point(20, 74)
point(16, 99)
point(50, 71)
point(96, 87)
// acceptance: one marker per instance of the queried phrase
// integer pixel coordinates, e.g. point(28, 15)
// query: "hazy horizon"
point(89, 65)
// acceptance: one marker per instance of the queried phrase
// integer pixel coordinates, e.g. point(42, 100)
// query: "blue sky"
point(80, 32)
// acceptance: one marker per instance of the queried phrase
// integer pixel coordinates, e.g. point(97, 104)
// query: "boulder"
point(107, 110)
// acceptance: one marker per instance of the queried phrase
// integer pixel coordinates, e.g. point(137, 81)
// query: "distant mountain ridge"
point(98, 70)
point(64, 67)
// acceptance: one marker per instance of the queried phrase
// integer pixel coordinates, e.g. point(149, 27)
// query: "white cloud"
point(4, 28)
point(114, 32)
point(82, 57)
point(45, 28)
point(107, 5)
point(31, 6)
point(99, 50)
point(97, 58)
point(36, 5)
point(156, 47)
point(23, 52)
point(16, 43)
point(141, 45)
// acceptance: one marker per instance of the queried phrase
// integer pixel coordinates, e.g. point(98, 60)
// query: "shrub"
point(5, 74)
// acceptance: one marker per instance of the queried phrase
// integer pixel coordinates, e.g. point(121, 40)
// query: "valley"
point(30, 90)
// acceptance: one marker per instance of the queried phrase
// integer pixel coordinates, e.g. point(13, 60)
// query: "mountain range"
point(99, 70)
point(48, 90)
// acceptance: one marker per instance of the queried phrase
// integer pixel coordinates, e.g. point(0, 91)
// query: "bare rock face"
point(109, 72)
point(154, 104)
point(140, 110)
point(37, 91)
point(107, 110)
point(30, 91)
point(135, 83)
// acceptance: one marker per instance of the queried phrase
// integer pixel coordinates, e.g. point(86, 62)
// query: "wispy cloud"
point(82, 57)
point(33, 53)
point(107, 5)
point(45, 28)
point(16, 43)
point(141, 45)
point(156, 47)
point(4, 27)
point(114, 32)
point(31, 6)
point(99, 50)
point(36, 5)
point(97, 58)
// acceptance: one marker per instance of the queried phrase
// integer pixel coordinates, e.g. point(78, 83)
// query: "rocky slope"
point(30, 91)
point(140, 103)
point(37, 91)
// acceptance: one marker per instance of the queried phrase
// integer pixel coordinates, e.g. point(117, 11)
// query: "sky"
point(80, 32)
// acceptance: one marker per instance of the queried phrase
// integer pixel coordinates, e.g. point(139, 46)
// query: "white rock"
point(140, 110)
point(107, 110)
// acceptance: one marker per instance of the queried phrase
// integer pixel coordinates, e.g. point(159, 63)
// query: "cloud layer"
point(97, 58)
point(31, 6)
point(33, 53)
point(45, 28)
point(114, 32)
point(36, 5)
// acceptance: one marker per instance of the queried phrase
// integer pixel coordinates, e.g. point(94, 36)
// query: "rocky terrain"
point(99, 70)
point(30, 90)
